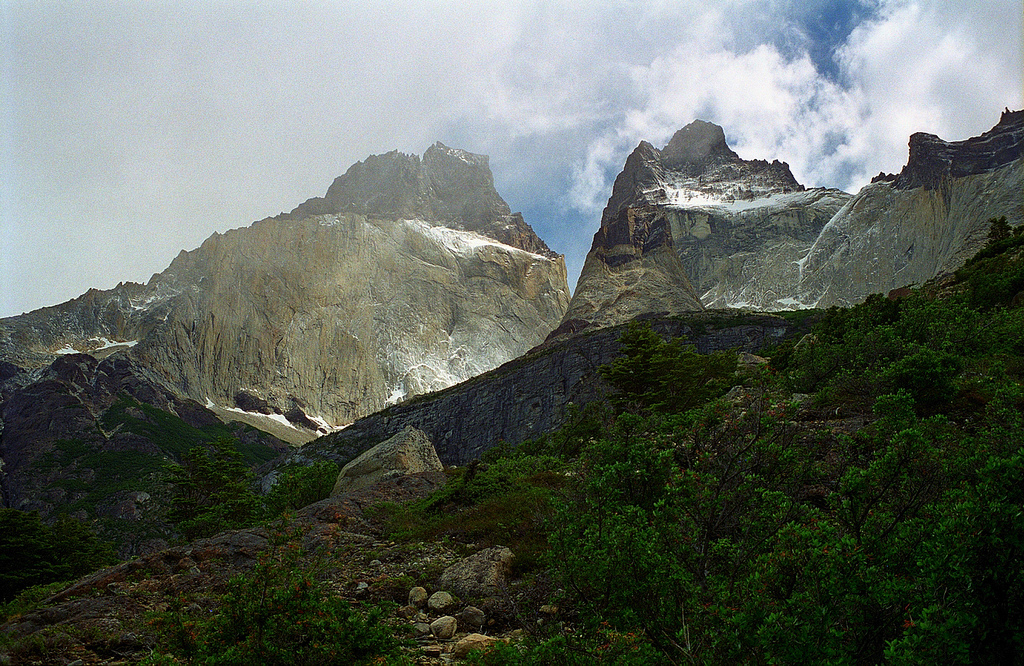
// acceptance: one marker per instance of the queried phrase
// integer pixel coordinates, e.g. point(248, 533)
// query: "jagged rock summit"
point(933, 160)
point(411, 274)
point(694, 225)
point(447, 185)
point(926, 221)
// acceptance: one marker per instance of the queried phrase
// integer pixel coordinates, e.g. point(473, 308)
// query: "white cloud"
point(938, 67)
point(943, 68)
point(134, 130)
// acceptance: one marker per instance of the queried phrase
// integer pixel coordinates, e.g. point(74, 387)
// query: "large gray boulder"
point(479, 575)
point(408, 452)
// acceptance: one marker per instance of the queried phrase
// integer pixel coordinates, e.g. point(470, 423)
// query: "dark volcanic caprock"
point(927, 221)
point(693, 225)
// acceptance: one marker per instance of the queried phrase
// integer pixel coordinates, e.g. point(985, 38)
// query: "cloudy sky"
point(133, 130)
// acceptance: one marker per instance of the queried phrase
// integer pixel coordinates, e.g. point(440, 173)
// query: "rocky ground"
point(449, 596)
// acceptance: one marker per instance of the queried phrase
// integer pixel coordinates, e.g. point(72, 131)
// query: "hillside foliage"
point(859, 503)
point(856, 500)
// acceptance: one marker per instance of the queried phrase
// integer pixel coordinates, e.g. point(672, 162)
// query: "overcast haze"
point(134, 130)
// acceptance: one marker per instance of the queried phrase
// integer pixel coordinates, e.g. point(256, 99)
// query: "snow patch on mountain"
point(459, 241)
point(97, 344)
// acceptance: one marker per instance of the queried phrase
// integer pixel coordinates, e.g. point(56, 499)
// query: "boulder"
point(472, 642)
point(479, 575)
point(418, 597)
point(440, 602)
point(471, 616)
point(408, 452)
point(444, 627)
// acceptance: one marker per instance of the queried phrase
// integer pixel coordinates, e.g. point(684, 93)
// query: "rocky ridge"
point(408, 276)
point(925, 222)
point(693, 225)
point(447, 184)
point(90, 438)
point(104, 615)
point(532, 395)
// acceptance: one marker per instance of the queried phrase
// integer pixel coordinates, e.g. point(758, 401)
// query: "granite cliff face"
point(924, 222)
point(693, 225)
point(410, 275)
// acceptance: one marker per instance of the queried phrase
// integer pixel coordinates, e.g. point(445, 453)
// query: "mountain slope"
point(409, 276)
point(927, 221)
point(693, 225)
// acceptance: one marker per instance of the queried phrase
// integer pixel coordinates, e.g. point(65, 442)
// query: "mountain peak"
point(931, 159)
point(696, 144)
point(448, 186)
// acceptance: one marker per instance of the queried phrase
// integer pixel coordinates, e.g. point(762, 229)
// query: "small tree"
point(301, 486)
point(654, 375)
point(211, 491)
point(33, 553)
point(999, 229)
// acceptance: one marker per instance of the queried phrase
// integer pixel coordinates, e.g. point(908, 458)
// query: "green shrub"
point(211, 491)
point(606, 647)
point(277, 614)
point(33, 553)
point(654, 375)
point(298, 487)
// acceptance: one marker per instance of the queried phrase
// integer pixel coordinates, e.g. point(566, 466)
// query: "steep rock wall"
point(906, 229)
point(342, 314)
point(529, 396)
point(693, 225)
point(408, 276)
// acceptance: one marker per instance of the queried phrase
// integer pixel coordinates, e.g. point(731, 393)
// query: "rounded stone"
point(418, 597)
point(440, 602)
point(444, 627)
point(472, 642)
point(471, 616)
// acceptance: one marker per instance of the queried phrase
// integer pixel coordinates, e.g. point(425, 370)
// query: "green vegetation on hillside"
point(856, 501)
point(280, 613)
point(34, 553)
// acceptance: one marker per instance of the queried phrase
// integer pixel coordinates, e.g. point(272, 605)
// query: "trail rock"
point(439, 602)
point(418, 597)
point(444, 627)
point(479, 575)
point(471, 616)
point(472, 642)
